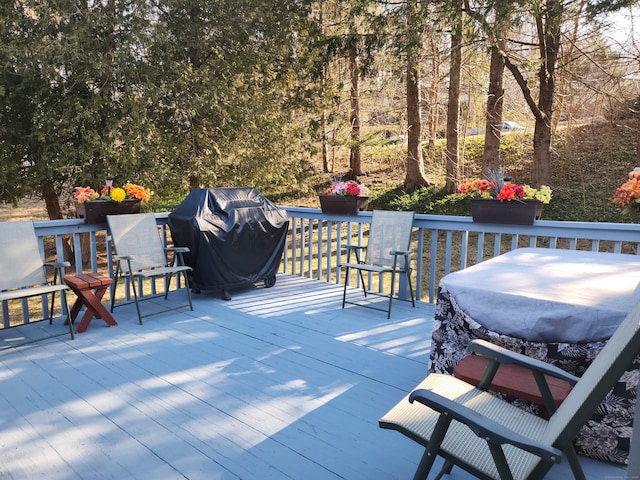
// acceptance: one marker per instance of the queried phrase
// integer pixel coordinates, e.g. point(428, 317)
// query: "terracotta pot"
point(515, 212)
point(343, 204)
point(95, 211)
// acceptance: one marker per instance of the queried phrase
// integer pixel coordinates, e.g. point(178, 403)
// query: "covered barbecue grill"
point(235, 236)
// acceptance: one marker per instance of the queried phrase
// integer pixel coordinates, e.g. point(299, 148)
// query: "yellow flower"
point(118, 195)
point(543, 194)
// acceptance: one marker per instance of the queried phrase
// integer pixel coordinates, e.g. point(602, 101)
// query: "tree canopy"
point(186, 93)
point(174, 94)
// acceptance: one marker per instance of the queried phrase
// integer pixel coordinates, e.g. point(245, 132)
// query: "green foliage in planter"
point(424, 200)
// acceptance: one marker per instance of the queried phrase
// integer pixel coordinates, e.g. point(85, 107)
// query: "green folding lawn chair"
point(491, 438)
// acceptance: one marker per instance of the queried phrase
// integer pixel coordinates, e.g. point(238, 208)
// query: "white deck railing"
point(442, 244)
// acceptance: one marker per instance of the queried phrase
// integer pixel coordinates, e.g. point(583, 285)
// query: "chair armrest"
point(400, 252)
point(57, 265)
point(353, 247)
point(503, 355)
point(57, 268)
point(178, 249)
point(484, 427)
point(356, 249)
point(178, 258)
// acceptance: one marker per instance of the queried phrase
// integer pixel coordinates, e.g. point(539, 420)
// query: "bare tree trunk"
point(324, 147)
point(550, 39)
point(542, 152)
point(52, 203)
point(549, 45)
point(453, 109)
point(194, 181)
point(355, 167)
point(432, 121)
point(638, 147)
point(565, 83)
point(323, 115)
point(492, 134)
point(415, 176)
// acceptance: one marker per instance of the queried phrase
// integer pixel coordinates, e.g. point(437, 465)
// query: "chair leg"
point(344, 291)
point(446, 470)
point(433, 446)
point(413, 298)
point(393, 287)
point(574, 463)
point(132, 282)
point(135, 298)
point(114, 286)
point(500, 461)
point(364, 288)
point(186, 286)
point(119, 273)
point(167, 285)
point(53, 300)
point(53, 296)
point(65, 307)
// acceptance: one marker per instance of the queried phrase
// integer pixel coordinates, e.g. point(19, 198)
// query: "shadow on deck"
point(278, 383)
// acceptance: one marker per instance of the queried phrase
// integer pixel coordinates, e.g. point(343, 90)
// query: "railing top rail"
point(549, 228)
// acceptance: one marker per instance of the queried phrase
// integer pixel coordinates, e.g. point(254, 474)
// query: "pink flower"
point(346, 188)
point(83, 194)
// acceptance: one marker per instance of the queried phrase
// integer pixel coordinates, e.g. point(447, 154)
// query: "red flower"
point(508, 192)
point(353, 189)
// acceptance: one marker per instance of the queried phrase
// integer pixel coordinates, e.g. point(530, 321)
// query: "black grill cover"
point(235, 236)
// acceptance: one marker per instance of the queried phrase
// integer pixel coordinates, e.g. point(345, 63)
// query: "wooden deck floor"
point(278, 383)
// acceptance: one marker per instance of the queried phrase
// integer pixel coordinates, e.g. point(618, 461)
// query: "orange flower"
point(136, 191)
point(477, 186)
point(627, 192)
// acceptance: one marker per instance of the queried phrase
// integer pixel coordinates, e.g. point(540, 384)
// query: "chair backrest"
point(601, 376)
point(389, 231)
point(136, 235)
point(21, 261)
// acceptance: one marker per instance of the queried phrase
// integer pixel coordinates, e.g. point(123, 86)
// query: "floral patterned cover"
point(606, 436)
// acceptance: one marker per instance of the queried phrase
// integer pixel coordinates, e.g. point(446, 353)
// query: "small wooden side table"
point(90, 288)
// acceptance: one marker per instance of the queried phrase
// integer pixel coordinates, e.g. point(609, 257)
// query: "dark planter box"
point(514, 212)
point(343, 205)
point(95, 211)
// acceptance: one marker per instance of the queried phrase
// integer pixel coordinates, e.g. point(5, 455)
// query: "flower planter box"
point(95, 211)
point(343, 204)
point(515, 212)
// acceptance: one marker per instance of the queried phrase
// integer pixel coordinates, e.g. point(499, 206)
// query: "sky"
point(624, 25)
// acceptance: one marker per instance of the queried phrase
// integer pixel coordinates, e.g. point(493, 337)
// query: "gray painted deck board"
point(278, 383)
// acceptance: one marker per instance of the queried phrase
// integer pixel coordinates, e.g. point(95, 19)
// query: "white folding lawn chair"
point(140, 256)
point(24, 274)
